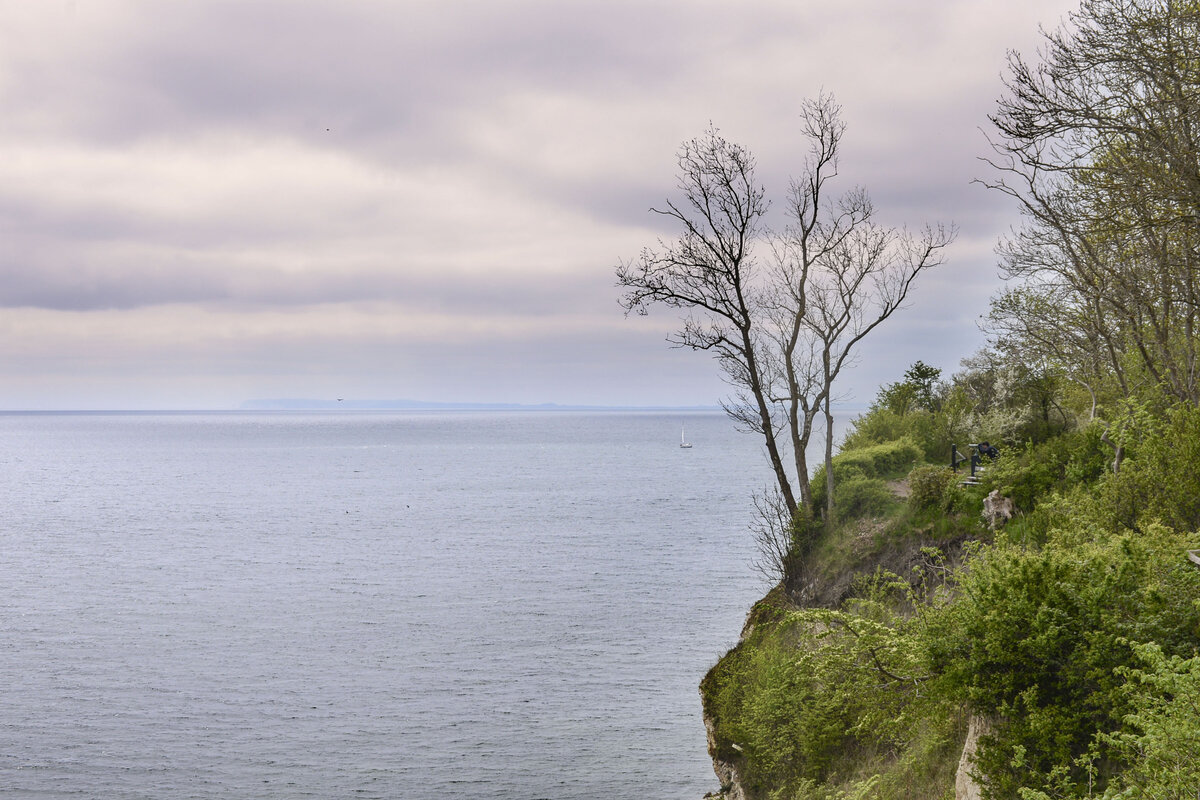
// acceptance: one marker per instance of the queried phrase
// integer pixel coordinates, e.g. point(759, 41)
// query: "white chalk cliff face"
point(965, 785)
point(727, 772)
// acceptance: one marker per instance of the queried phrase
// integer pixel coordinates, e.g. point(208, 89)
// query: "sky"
point(209, 202)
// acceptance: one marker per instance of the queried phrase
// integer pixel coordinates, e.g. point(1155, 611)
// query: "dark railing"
point(957, 457)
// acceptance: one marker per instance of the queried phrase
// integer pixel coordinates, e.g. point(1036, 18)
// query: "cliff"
point(750, 700)
point(910, 649)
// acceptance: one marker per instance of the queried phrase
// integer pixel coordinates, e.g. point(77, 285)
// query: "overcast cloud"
point(206, 202)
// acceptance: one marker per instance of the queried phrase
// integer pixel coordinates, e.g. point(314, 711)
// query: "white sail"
point(683, 442)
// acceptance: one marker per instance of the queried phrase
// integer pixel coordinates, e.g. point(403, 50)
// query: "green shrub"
point(1164, 743)
point(862, 497)
point(807, 699)
point(770, 714)
point(858, 477)
point(929, 487)
point(879, 460)
point(875, 426)
point(1037, 640)
point(1160, 477)
point(1037, 470)
point(932, 432)
point(892, 459)
point(1090, 458)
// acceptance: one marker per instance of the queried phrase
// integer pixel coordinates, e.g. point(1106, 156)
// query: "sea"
point(473, 604)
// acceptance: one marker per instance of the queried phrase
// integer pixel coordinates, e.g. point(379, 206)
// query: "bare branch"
point(783, 329)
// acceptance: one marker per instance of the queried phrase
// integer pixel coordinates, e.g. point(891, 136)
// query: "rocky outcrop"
point(726, 771)
point(997, 510)
point(965, 785)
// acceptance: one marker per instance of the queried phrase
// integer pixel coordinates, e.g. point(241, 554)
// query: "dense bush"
point(956, 423)
point(1073, 633)
point(809, 698)
point(880, 425)
point(772, 714)
point(862, 497)
point(1035, 471)
point(1160, 477)
point(891, 459)
point(929, 486)
point(1163, 743)
point(883, 460)
point(1037, 641)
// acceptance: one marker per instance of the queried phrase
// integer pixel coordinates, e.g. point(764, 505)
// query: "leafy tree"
point(1161, 479)
point(1162, 741)
point(923, 378)
point(1045, 327)
point(918, 390)
point(1098, 144)
point(1025, 389)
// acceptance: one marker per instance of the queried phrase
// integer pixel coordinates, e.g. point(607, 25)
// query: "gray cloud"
point(445, 184)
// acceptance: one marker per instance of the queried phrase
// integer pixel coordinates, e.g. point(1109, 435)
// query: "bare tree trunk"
point(830, 521)
point(1118, 451)
point(764, 415)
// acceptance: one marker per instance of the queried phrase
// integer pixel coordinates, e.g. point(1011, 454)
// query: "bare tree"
point(782, 330)
point(775, 533)
point(818, 229)
point(861, 282)
point(710, 273)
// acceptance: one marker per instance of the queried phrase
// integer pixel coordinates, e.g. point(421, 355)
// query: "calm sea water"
point(444, 605)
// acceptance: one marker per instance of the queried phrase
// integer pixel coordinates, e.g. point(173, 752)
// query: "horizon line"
point(308, 404)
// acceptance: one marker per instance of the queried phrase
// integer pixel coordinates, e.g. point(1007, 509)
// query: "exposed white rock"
point(965, 785)
point(727, 772)
point(997, 510)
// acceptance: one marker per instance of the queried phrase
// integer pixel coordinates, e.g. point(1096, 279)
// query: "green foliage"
point(1160, 478)
point(1037, 470)
point(1037, 640)
point(805, 701)
point(1162, 742)
point(880, 425)
point(865, 497)
point(771, 714)
point(939, 508)
point(930, 487)
point(1089, 457)
point(1074, 633)
point(923, 378)
point(958, 419)
point(884, 460)
point(918, 391)
point(877, 461)
point(858, 475)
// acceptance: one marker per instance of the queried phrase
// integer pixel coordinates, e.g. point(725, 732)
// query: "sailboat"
point(683, 442)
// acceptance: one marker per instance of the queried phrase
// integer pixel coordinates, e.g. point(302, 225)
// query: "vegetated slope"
point(1069, 634)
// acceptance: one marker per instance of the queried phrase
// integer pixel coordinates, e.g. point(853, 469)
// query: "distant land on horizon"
point(308, 404)
point(349, 404)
